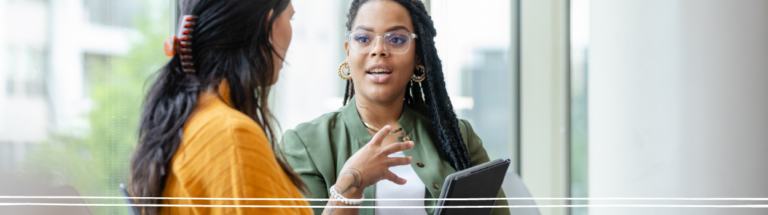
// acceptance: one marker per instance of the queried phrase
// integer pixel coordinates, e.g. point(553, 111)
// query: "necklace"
point(375, 129)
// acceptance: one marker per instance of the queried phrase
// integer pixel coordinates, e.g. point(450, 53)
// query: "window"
point(476, 51)
point(579, 17)
point(111, 12)
point(25, 72)
point(310, 75)
point(73, 75)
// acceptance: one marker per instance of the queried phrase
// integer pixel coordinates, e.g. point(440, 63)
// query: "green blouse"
point(318, 149)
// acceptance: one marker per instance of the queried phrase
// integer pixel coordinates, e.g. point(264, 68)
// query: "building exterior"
point(43, 49)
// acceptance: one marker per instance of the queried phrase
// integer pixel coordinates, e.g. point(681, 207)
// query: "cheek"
point(284, 34)
point(356, 64)
point(406, 66)
point(288, 34)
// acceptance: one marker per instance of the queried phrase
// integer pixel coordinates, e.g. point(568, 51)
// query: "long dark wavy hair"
point(434, 93)
point(230, 41)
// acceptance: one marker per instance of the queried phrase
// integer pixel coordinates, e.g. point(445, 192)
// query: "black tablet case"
point(481, 181)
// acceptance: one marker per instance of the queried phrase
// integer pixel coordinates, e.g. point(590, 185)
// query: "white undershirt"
point(413, 188)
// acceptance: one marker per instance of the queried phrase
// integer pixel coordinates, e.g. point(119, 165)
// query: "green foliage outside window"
point(97, 162)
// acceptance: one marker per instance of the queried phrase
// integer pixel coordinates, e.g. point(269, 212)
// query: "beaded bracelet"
point(343, 199)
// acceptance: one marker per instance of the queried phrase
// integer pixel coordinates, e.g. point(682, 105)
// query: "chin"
point(381, 94)
point(276, 74)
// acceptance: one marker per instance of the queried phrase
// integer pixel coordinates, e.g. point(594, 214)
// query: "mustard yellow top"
point(225, 154)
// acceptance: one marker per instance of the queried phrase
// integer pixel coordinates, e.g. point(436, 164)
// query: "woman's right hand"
point(371, 164)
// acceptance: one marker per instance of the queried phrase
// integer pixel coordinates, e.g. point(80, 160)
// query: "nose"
point(378, 48)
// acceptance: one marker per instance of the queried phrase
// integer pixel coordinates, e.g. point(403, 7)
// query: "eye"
point(362, 38)
point(398, 40)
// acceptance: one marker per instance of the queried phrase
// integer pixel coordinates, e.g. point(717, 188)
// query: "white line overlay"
point(402, 199)
point(393, 207)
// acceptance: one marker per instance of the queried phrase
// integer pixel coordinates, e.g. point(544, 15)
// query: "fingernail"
point(410, 159)
point(411, 143)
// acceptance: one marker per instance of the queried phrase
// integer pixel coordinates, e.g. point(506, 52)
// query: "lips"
point(378, 73)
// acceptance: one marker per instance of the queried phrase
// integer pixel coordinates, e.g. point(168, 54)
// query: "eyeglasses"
point(395, 42)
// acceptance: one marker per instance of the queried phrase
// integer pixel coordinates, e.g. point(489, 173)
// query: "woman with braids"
point(394, 79)
point(206, 130)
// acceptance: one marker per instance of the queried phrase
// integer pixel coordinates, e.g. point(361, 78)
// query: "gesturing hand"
point(371, 164)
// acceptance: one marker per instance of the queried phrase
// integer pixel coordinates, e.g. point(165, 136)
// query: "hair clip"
point(181, 43)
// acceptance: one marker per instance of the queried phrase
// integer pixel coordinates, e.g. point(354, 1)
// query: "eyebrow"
point(363, 28)
point(388, 30)
point(398, 28)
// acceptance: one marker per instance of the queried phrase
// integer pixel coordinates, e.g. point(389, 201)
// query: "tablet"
point(481, 181)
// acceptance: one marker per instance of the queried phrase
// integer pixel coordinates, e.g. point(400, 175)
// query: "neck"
point(379, 114)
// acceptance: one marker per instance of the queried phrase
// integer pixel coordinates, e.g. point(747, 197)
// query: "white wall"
point(678, 102)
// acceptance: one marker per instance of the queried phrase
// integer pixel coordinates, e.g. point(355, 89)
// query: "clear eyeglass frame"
point(411, 37)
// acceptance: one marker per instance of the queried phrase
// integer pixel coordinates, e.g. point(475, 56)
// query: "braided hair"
point(433, 93)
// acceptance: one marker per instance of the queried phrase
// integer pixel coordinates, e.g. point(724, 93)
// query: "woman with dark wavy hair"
point(206, 130)
point(394, 78)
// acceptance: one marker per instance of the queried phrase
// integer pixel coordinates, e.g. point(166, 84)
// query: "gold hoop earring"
point(423, 75)
point(344, 72)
